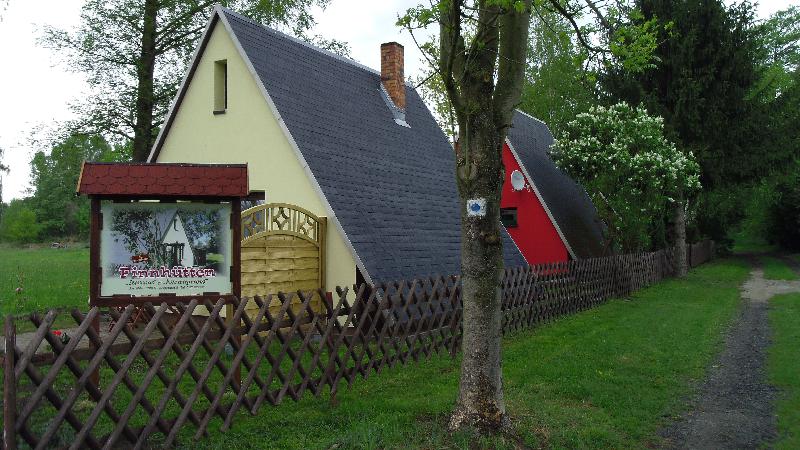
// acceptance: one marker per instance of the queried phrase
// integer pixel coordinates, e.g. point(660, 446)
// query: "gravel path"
point(734, 407)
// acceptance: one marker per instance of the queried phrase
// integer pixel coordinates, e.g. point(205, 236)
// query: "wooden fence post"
point(9, 386)
point(236, 336)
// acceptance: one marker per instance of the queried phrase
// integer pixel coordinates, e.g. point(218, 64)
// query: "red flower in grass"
point(63, 337)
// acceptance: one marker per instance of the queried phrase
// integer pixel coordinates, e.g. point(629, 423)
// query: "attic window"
point(220, 86)
point(508, 217)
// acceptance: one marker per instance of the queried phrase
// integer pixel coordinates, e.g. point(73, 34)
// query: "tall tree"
point(483, 80)
point(54, 176)
point(633, 174)
point(776, 93)
point(700, 87)
point(481, 62)
point(560, 81)
point(778, 53)
point(134, 53)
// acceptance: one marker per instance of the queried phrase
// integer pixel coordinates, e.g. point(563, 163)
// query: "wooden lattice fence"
point(170, 378)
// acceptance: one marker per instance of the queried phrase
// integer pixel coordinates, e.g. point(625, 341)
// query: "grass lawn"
point(746, 243)
point(606, 378)
point(49, 278)
point(784, 366)
point(777, 269)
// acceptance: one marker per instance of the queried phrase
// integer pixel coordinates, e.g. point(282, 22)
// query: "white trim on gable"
point(539, 195)
point(218, 11)
point(530, 117)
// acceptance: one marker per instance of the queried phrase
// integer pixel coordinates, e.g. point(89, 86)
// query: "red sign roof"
point(161, 179)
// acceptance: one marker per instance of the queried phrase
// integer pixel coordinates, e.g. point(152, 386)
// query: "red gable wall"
point(534, 234)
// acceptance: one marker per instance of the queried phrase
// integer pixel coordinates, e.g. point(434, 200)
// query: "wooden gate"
point(283, 250)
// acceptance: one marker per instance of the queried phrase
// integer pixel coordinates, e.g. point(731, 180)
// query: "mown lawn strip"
point(777, 269)
point(784, 366)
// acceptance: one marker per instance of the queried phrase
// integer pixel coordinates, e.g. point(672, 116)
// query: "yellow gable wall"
point(248, 132)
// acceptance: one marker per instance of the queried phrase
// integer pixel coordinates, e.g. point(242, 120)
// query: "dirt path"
point(734, 407)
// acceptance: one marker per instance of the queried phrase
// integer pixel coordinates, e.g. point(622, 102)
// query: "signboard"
point(153, 249)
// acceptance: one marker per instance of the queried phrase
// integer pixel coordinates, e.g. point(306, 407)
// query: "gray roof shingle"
point(571, 207)
point(392, 188)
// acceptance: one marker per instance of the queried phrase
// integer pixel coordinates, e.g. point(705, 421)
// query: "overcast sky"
point(35, 89)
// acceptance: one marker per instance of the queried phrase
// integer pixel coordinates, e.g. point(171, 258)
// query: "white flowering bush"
point(632, 173)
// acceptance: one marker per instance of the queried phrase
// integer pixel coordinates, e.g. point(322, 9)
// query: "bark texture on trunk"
point(679, 222)
point(480, 401)
point(483, 80)
point(145, 95)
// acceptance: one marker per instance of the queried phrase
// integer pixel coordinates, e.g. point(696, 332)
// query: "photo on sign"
point(153, 248)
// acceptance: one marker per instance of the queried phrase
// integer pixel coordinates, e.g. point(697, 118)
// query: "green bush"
point(784, 214)
point(632, 173)
point(19, 223)
point(718, 211)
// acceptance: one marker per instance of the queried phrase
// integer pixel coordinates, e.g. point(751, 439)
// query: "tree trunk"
point(483, 82)
point(145, 95)
point(679, 222)
point(480, 401)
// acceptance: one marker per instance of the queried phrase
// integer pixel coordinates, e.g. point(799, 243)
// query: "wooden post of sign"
point(236, 274)
point(9, 386)
point(95, 272)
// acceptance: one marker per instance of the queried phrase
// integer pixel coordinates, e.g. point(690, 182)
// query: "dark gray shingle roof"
point(392, 188)
point(573, 211)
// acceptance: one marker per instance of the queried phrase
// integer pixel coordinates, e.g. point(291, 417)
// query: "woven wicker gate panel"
point(279, 264)
point(282, 251)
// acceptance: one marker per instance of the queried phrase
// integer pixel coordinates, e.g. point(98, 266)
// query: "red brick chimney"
point(392, 73)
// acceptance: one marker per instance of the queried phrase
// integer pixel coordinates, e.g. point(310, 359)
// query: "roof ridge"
point(300, 41)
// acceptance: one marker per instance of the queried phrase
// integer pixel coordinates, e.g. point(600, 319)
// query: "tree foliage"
point(134, 53)
point(778, 53)
point(705, 88)
point(18, 223)
point(630, 170)
point(784, 212)
point(562, 63)
point(54, 176)
point(560, 81)
point(700, 87)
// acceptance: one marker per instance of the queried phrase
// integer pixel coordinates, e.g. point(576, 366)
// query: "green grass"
point(777, 269)
point(744, 242)
point(606, 378)
point(49, 278)
point(784, 366)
